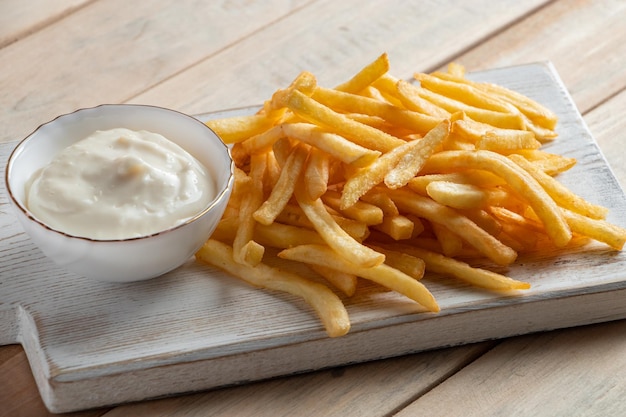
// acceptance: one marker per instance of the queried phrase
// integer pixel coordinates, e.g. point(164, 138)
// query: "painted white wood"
point(93, 344)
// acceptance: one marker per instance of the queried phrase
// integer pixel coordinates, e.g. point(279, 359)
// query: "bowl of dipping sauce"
point(120, 192)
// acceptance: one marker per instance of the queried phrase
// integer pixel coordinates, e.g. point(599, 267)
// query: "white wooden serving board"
point(94, 344)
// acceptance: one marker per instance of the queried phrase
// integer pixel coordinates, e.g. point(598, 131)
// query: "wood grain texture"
point(19, 18)
point(608, 125)
point(18, 392)
point(82, 336)
point(578, 372)
point(333, 40)
point(583, 38)
point(590, 55)
point(102, 56)
point(328, 392)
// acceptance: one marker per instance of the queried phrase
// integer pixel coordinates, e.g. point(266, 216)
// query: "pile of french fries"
point(384, 179)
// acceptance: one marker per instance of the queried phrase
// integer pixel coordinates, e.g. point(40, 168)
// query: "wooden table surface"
point(198, 56)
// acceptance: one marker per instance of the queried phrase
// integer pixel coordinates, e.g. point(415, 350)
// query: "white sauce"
point(119, 184)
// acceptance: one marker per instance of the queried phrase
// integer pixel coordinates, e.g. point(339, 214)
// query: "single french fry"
point(295, 216)
point(272, 173)
point(596, 229)
point(283, 236)
point(334, 235)
point(343, 281)
point(461, 196)
point(374, 93)
point(245, 249)
point(456, 70)
point(418, 225)
point(282, 148)
point(387, 86)
point(275, 235)
point(316, 173)
point(282, 192)
point(237, 128)
point(238, 193)
point(492, 138)
point(409, 95)
point(333, 144)
point(550, 163)
point(240, 157)
point(506, 215)
point(484, 219)
point(379, 198)
point(262, 141)
point(382, 274)
point(542, 134)
point(409, 264)
point(479, 178)
point(366, 76)
point(367, 178)
point(361, 211)
point(326, 304)
point(506, 144)
point(414, 159)
point(451, 243)
point(397, 227)
point(304, 83)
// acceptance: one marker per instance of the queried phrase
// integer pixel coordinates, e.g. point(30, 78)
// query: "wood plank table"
point(200, 57)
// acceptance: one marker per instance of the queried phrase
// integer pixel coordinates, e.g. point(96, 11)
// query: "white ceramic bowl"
point(127, 259)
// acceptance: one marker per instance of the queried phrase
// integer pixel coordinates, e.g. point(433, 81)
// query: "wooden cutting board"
point(94, 344)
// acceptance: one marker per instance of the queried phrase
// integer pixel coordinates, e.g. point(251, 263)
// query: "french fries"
point(328, 306)
point(397, 183)
point(382, 274)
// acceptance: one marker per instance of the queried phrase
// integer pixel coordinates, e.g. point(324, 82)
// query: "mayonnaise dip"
point(119, 184)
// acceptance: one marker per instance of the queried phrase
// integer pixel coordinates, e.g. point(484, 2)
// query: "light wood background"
point(200, 56)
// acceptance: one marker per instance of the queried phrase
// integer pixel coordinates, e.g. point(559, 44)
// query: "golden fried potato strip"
point(284, 188)
point(492, 117)
point(437, 213)
point(539, 114)
point(245, 249)
point(366, 76)
point(397, 116)
point(359, 133)
point(237, 128)
point(409, 96)
point(333, 144)
point(317, 173)
point(334, 235)
point(326, 304)
point(382, 274)
point(444, 265)
point(343, 281)
point(518, 179)
point(414, 159)
point(561, 194)
point(384, 179)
